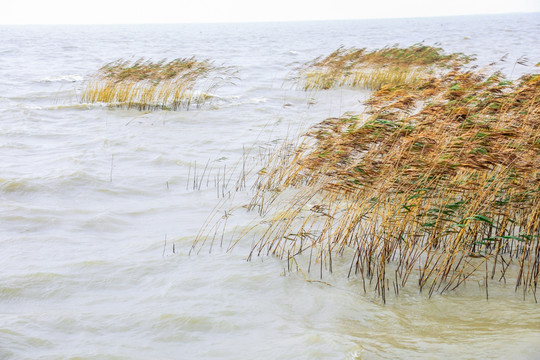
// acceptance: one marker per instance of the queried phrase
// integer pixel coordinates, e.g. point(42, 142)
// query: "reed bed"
point(358, 68)
point(147, 85)
point(438, 181)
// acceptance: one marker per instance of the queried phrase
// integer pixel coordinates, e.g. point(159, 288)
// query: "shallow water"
point(99, 207)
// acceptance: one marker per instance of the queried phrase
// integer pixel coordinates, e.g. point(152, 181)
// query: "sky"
point(197, 11)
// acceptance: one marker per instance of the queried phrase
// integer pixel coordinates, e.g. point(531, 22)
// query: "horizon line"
point(269, 21)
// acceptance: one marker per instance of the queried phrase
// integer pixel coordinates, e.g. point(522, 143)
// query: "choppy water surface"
point(99, 207)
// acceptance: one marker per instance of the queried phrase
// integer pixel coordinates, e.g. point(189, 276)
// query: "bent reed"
point(438, 181)
point(358, 68)
point(147, 85)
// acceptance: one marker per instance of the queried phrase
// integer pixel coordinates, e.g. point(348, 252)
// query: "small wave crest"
point(62, 78)
point(50, 183)
point(12, 185)
point(81, 106)
point(233, 101)
point(257, 100)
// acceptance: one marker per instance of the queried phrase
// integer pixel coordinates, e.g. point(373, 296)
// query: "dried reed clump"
point(147, 85)
point(358, 68)
point(437, 181)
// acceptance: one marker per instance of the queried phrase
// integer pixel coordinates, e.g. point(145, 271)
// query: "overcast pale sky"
point(180, 11)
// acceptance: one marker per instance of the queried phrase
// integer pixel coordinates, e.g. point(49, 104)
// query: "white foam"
point(62, 78)
point(258, 100)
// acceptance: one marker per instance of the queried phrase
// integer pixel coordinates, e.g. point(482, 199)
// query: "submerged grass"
point(358, 68)
point(148, 85)
point(438, 181)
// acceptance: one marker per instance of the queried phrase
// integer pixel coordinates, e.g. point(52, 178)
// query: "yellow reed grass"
point(147, 85)
point(358, 68)
point(437, 181)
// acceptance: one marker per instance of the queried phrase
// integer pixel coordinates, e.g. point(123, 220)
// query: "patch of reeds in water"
point(358, 68)
point(438, 181)
point(147, 85)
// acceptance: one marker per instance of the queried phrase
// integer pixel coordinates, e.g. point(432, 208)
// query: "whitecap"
point(83, 106)
point(258, 100)
point(63, 78)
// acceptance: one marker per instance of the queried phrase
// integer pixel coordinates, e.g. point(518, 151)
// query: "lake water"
point(99, 207)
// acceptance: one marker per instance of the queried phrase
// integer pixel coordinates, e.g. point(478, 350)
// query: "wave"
point(54, 183)
point(20, 185)
point(234, 101)
point(62, 78)
point(82, 106)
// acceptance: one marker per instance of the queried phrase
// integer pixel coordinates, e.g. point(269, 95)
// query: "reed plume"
point(438, 181)
point(358, 68)
point(147, 85)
